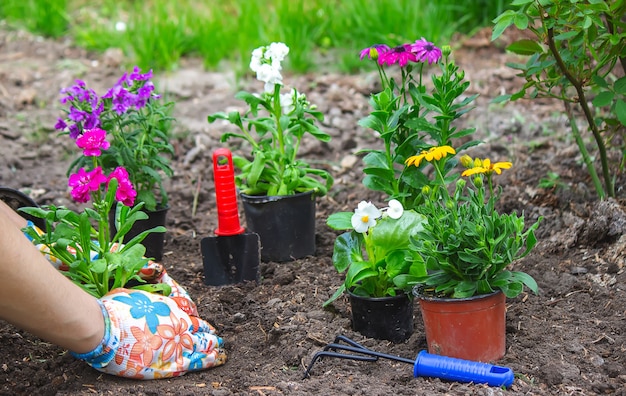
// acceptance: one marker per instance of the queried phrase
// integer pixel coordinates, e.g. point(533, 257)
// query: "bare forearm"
point(34, 296)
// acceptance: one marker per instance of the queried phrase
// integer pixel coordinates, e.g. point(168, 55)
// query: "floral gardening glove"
point(150, 336)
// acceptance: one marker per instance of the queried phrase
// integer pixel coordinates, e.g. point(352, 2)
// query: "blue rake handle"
point(425, 365)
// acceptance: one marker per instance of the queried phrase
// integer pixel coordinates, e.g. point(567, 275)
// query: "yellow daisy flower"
point(486, 167)
point(434, 153)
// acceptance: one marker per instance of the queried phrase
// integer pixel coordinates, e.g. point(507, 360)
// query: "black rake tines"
point(358, 352)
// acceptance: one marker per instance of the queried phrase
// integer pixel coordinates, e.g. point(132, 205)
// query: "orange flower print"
point(177, 339)
point(123, 351)
point(147, 343)
point(132, 371)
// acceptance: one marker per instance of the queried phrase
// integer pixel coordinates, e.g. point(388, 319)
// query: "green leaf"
point(526, 279)
point(502, 22)
point(620, 111)
point(335, 295)
point(340, 220)
point(525, 47)
point(604, 98)
point(620, 86)
point(347, 250)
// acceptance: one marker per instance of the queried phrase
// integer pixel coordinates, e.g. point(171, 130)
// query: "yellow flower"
point(466, 161)
point(434, 153)
point(486, 167)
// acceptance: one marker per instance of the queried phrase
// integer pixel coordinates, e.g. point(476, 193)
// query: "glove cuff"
point(101, 355)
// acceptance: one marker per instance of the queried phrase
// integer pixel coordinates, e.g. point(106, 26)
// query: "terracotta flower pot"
point(383, 318)
point(466, 328)
point(285, 224)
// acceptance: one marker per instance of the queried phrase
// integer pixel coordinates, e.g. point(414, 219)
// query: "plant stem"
point(583, 151)
point(582, 101)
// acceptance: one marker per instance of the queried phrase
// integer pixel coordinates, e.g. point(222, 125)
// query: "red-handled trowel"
point(233, 255)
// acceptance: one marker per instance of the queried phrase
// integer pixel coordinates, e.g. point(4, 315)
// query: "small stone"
point(579, 270)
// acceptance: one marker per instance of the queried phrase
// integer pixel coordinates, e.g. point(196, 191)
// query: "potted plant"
point(468, 247)
point(79, 243)
point(137, 128)
point(374, 253)
point(464, 244)
point(277, 187)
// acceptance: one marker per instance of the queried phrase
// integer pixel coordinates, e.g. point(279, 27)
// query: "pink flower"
point(374, 52)
point(125, 193)
point(426, 51)
point(83, 183)
point(92, 141)
point(401, 54)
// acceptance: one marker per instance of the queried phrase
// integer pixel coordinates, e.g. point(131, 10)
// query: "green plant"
point(47, 17)
point(375, 252)
point(273, 128)
point(409, 117)
point(79, 243)
point(552, 180)
point(465, 243)
point(138, 126)
point(577, 55)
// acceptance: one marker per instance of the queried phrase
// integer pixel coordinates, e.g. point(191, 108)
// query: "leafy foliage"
point(577, 55)
point(409, 118)
point(467, 246)
point(96, 262)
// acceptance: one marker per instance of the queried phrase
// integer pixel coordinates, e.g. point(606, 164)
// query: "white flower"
point(257, 59)
point(270, 76)
point(395, 209)
point(287, 101)
point(364, 216)
point(277, 52)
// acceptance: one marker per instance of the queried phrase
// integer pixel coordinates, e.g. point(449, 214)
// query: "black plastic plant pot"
point(383, 318)
point(285, 224)
point(155, 241)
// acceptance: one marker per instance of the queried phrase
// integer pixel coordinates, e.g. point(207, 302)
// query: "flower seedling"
point(374, 252)
point(273, 128)
point(137, 125)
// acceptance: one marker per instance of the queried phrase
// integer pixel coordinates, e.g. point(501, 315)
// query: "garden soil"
point(570, 339)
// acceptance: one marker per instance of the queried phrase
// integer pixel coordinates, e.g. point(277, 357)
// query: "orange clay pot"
point(471, 328)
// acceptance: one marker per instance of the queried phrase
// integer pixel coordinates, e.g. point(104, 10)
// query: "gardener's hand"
point(149, 336)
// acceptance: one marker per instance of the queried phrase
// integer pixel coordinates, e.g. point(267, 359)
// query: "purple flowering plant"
point(122, 136)
point(135, 128)
point(412, 115)
point(80, 243)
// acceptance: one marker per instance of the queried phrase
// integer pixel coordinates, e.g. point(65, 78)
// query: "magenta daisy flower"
point(374, 52)
point(401, 55)
point(426, 51)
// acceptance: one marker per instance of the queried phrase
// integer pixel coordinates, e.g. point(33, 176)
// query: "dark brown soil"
point(568, 340)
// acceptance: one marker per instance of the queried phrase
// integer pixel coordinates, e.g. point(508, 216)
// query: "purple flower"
point(401, 54)
point(374, 52)
point(76, 115)
point(93, 141)
point(137, 76)
point(74, 131)
point(83, 182)
point(91, 121)
point(60, 125)
point(426, 51)
point(125, 193)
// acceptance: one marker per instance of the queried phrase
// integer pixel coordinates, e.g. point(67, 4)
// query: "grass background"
point(156, 34)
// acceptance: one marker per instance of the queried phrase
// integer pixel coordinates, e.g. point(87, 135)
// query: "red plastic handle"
point(225, 194)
